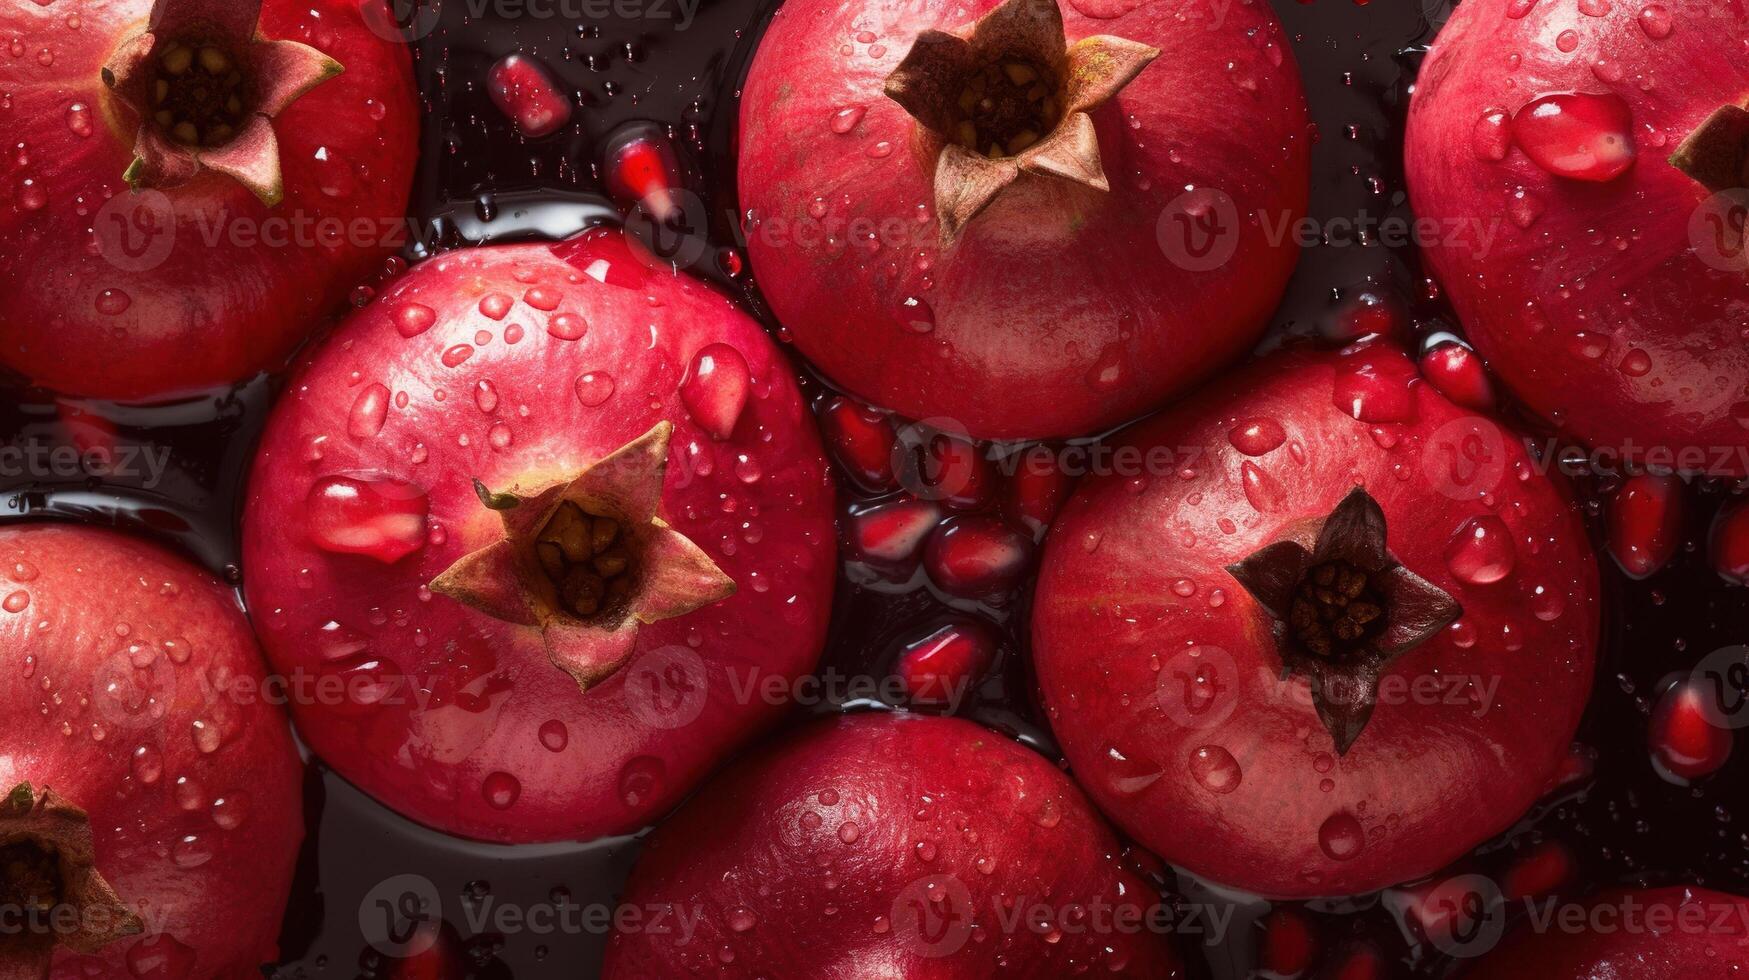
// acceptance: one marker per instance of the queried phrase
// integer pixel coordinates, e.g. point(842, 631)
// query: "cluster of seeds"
point(200, 95)
point(1335, 610)
point(1006, 107)
point(583, 555)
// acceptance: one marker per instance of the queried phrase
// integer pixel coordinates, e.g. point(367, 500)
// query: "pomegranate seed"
point(1730, 543)
point(977, 557)
point(383, 518)
point(1456, 372)
point(861, 442)
point(715, 389)
point(1685, 743)
point(641, 170)
point(1289, 944)
point(892, 532)
point(942, 667)
point(1577, 135)
point(1645, 523)
point(1362, 964)
point(953, 471)
point(1368, 315)
point(522, 90)
point(1037, 490)
point(1543, 870)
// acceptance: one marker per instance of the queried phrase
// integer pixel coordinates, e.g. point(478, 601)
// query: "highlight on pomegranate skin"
point(152, 805)
point(1601, 146)
point(891, 845)
point(1349, 641)
point(193, 185)
point(1038, 219)
point(543, 515)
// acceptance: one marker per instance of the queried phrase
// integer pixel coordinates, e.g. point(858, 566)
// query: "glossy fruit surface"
point(895, 846)
point(1058, 308)
point(1287, 689)
point(1604, 286)
point(1652, 934)
point(198, 277)
point(555, 561)
point(139, 698)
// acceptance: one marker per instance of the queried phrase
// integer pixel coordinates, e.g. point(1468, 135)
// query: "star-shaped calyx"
point(1011, 97)
point(48, 865)
point(1344, 610)
point(206, 86)
point(587, 562)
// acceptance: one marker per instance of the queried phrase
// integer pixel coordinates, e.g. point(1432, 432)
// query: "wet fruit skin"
point(1162, 680)
point(1057, 312)
point(488, 739)
point(201, 843)
point(1607, 307)
point(1651, 934)
point(814, 857)
point(231, 297)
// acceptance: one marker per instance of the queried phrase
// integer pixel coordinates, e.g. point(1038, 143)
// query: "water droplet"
point(413, 319)
point(594, 388)
point(1341, 837)
point(501, 790)
point(1257, 437)
point(641, 781)
point(369, 410)
point(568, 326)
point(554, 736)
point(1481, 553)
point(845, 119)
point(1215, 769)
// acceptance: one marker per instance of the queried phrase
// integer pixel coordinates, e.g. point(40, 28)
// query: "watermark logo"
point(1465, 458)
point(1198, 687)
point(399, 917)
point(668, 687)
point(934, 915)
point(1722, 677)
point(1199, 231)
point(1464, 917)
point(1716, 231)
point(136, 230)
point(402, 20)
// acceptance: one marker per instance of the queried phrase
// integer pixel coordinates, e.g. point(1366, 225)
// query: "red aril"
point(1458, 374)
point(1289, 944)
point(1579, 135)
point(524, 91)
point(715, 389)
point(1645, 523)
point(1540, 871)
point(942, 668)
point(642, 172)
point(1730, 543)
point(380, 517)
point(1686, 744)
point(973, 557)
point(948, 468)
point(861, 442)
point(1037, 488)
point(892, 532)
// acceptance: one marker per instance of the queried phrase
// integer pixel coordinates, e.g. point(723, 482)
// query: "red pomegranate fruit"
point(557, 529)
point(151, 785)
point(1034, 221)
point(1343, 639)
point(1649, 934)
point(1593, 218)
point(896, 846)
point(154, 143)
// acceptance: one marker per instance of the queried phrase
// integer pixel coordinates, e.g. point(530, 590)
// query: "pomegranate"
point(151, 784)
point(1343, 643)
point(273, 141)
point(895, 846)
point(960, 210)
point(555, 527)
point(1651, 934)
point(1611, 297)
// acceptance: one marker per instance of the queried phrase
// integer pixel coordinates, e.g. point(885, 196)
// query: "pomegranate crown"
point(1343, 610)
point(1011, 97)
point(206, 87)
point(48, 865)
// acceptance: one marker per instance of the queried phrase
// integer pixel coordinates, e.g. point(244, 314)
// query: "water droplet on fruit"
point(741, 919)
point(500, 790)
point(1215, 769)
point(568, 326)
point(845, 119)
point(554, 736)
point(369, 410)
point(383, 518)
point(1492, 137)
point(641, 780)
point(1376, 390)
point(191, 851)
point(456, 356)
point(1262, 491)
point(79, 119)
point(147, 764)
point(1257, 437)
point(1341, 837)
point(1127, 774)
point(413, 319)
point(1656, 21)
point(160, 957)
point(1578, 135)
point(1481, 552)
point(231, 810)
point(207, 737)
point(113, 302)
point(594, 388)
point(715, 389)
point(16, 602)
point(917, 314)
